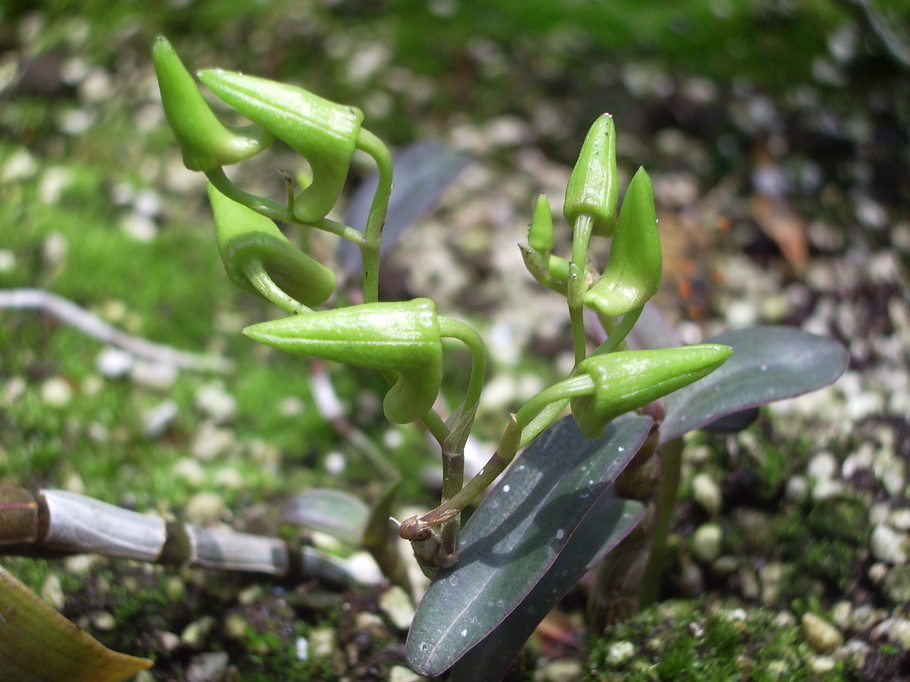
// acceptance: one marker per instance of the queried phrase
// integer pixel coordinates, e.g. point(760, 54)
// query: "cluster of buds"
point(403, 340)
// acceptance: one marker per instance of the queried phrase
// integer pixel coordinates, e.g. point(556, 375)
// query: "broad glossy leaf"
point(333, 512)
point(422, 173)
point(37, 643)
point(600, 531)
point(516, 535)
point(768, 364)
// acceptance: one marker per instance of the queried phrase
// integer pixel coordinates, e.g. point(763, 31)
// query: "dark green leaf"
point(516, 535)
point(768, 364)
point(600, 531)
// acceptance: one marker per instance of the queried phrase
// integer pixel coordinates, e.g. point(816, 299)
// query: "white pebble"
point(113, 363)
point(56, 392)
point(157, 420)
point(707, 493)
point(888, 545)
point(154, 375)
point(216, 402)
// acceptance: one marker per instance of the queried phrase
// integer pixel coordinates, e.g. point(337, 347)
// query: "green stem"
point(456, 329)
point(372, 237)
point(667, 489)
point(256, 274)
point(581, 237)
point(511, 440)
point(267, 207)
point(616, 336)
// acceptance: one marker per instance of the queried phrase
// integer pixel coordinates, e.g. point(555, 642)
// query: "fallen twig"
point(88, 323)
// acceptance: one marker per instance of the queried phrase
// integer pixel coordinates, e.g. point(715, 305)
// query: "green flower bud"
point(323, 132)
point(592, 188)
point(633, 271)
point(540, 232)
point(251, 243)
point(205, 141)
point(627, 380)
point(403, 339)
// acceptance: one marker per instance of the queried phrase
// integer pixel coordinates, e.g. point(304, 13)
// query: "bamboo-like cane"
point(57, 522)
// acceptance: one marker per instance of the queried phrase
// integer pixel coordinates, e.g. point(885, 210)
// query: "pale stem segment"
point(372, 236)
point(581, 237)
point(616, 333)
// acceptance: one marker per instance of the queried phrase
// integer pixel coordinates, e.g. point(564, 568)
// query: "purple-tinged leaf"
point(517, 534)
point(768, 364)
point(333, 512)
point(422, 173)
point(610, 520)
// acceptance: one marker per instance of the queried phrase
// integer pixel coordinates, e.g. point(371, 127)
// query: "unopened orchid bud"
point(400, 338)
point(206, 142)
point(259, 258)
point(592, 188)
point(540, 232)
point(627, 380)
point(323, 132)
point(633, 271)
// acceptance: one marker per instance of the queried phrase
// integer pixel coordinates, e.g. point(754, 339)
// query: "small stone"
point(52, 591)
point(822, 467)
point(797, 488)
point(140, 227)
point(772, 577)
point(157, 376)
point(56, 392)
point(821, 635)
point(888, 545)
point(900, 519)
point(157, 420)
point(563, 670)
point(203, 508)
point(692, 580)
point(213, 400)
point(103, 620)
point(896, 584)
point(706, 493)
point(784, 620)
point(302, 648)
point(707, 542)
point(899, 633)
point(396, 604)
point(235, 626)
point(620, 652)
point(323, 642)
point(195, 633)
point(371, 623)
point(207, 667)
point(189, 470)
point(841, 614)
point(211, 441)
point(113, 363)
point(398, 673)
point(821, 665)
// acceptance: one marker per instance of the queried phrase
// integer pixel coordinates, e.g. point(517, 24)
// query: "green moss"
point(703, 641)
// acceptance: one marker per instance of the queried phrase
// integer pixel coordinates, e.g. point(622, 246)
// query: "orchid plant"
point(588, 485)
point(598, 452)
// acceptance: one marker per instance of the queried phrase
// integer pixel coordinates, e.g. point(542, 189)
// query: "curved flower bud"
point(633, 271)
point(259, 258)
point(627, 380)
point(592, 188)
point(540, 232)
point(205, 141)
point(323, 132)
point(401, 338)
